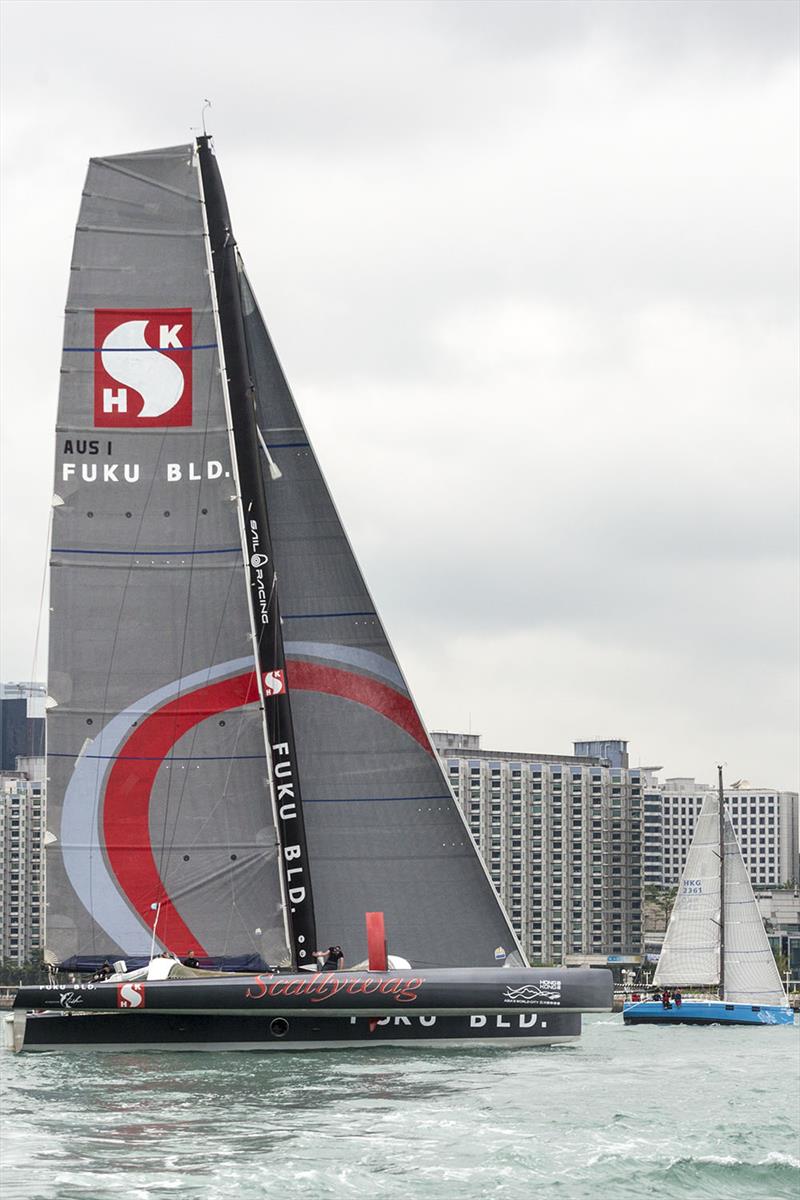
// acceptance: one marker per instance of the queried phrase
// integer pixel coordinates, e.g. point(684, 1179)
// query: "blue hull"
point(706, 1012)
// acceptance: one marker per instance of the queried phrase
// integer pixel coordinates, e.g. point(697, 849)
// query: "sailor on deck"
point(333, 956)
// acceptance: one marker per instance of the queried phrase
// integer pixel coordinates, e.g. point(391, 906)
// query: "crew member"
point(191, 960)
point(333, 958)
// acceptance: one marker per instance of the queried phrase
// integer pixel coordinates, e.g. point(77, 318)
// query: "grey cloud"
point(660, 28)
point(532, 270)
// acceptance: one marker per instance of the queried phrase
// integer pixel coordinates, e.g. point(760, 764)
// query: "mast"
point(721, 886)
point(263, 595)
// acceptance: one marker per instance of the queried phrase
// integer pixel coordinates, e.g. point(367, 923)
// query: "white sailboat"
point(716, 938)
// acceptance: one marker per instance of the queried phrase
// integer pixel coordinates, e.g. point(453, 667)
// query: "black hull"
point(217, 1032)
point(438, 992)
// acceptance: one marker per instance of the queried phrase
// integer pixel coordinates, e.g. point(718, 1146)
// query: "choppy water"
point(701, 1113)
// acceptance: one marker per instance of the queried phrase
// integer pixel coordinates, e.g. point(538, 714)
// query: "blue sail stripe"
point(286, 445)
point(161, 758)
point(136, 349)
point(322, 616)
point(147, 553)
point(367, 799)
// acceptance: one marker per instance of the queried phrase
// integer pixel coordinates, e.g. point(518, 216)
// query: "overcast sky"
point(532, 270)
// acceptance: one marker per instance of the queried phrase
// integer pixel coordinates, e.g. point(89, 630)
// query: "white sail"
point(751, 974)
point(690, 954)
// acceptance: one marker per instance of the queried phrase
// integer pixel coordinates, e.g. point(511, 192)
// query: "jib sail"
point(384, 831)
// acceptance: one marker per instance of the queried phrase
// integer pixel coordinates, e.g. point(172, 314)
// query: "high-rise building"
point(765, 820)
point(22, 859)
point(22, 774)
point(21, 722)
point(561, 839)
point(614, 751)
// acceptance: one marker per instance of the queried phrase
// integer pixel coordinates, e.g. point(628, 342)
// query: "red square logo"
point(142, 367)
point(274, 683)
point(130, 995)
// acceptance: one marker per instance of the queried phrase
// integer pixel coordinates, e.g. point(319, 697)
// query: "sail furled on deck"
point(384, 831)
point(690, 954)
point(158, 801)
point(751, 973)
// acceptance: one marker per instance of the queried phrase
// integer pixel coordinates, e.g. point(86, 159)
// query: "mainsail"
point(157, 795)
point(690, 955)
point(166, 795)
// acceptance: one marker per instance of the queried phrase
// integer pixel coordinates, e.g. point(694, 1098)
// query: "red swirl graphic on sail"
point(126, 810)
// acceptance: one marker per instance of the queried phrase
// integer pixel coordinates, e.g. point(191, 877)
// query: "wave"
point(627, 1149)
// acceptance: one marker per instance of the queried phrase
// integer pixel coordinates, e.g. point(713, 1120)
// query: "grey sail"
point(159, 807)
point(384, 831)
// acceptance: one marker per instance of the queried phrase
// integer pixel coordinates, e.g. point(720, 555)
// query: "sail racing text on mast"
point(270, 658)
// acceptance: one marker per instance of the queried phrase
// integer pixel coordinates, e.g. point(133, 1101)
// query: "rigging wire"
point(42, 593)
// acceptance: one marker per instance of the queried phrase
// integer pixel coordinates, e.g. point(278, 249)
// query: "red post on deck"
point(376, 942)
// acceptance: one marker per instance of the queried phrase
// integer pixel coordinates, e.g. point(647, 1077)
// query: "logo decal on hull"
point(319, 988)
point(130, 995)
point(69, 999)
point(142, 367)
point(546, 991)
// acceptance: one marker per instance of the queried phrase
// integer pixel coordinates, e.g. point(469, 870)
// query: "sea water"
point(625, 1112)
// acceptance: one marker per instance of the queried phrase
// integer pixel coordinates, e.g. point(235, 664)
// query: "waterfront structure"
point(780, 909)
point(561, 837)
point(765, 821)
point(22, 862)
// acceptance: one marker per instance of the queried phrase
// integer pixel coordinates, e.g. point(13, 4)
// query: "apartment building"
point(765, 820)
point(22, 708)
point(561, 837)
point(22, 862)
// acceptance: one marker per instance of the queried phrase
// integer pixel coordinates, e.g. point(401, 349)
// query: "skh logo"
point(274, 683)
point(142, 367)
point(130, 995)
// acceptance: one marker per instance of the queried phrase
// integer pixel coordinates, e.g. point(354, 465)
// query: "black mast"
point(271, 662)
